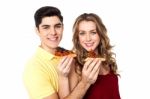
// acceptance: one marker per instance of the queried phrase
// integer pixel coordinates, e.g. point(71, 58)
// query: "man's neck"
point(50, 50)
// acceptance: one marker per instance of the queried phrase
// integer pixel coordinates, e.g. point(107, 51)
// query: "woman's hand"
point(91, 70)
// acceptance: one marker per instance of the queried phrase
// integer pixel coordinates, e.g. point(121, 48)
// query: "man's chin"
point(54, 45)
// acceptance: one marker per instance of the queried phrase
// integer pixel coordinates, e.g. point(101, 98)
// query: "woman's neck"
point(104, 71)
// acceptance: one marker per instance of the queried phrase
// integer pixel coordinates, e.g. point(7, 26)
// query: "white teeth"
point(53, 39)
point(89, 44)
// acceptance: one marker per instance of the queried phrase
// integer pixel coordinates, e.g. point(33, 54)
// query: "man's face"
point(50, 32)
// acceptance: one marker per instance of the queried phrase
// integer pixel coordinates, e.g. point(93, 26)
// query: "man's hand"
point(64, 69)
point(64, 66)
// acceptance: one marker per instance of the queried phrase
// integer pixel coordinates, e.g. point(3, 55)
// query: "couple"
point(48, 76)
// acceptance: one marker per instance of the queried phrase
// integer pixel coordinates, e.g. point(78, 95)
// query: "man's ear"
point(63, 27)
point(37, 31)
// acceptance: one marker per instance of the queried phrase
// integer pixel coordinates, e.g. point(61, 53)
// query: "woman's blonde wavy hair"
point(104, 47)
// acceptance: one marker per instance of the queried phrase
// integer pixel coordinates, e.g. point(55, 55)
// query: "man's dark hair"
point(46, 11)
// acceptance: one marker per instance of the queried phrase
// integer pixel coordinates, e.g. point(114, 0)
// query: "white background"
point(128, 24)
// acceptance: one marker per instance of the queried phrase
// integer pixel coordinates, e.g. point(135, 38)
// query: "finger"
point(68, 65)
point(96, 67)
point(87, 59)
point(66, 62)
point(92, 65)
point(95, 75)
point(62, 63)
point(63, 59)
point(102, 59)
point(87, 63)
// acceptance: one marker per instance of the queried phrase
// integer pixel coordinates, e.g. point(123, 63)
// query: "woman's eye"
point(81, 33)
point(93, 33)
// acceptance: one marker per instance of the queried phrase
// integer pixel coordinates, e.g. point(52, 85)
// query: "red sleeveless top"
point(105, 87)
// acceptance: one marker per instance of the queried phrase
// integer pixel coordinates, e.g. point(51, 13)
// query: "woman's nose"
point(88, 37)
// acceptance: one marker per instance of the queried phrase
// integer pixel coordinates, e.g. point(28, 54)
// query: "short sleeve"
point(37, 82)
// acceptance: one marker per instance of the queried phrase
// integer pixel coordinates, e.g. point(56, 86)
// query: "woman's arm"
point(89, 75)
point(115, 88)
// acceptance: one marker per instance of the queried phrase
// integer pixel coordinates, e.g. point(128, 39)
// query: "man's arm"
point(53, 96)
point(64, 68)
point(79, 91)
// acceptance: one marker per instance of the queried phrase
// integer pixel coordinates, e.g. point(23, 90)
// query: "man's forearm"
point(79, 91)
point(64, 88)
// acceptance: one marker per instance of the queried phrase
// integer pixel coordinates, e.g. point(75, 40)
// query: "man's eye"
point(58, 26)
point(45, 27)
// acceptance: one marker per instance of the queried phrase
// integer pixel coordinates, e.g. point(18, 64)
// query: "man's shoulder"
point(62, 49)
point(32, 61)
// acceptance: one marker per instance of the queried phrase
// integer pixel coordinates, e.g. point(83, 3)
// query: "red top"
point(105, 87)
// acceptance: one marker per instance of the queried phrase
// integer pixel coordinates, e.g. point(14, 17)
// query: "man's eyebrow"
point(58, 24)
point(45, 25)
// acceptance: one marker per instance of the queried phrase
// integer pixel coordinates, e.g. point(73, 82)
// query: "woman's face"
point(88, 36)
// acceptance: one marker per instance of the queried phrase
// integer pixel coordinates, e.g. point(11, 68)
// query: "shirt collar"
point(44, 54)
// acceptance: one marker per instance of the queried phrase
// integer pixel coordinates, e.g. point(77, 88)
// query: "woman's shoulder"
point(110, 76)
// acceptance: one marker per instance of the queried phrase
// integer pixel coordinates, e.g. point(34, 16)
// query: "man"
point(40, 75)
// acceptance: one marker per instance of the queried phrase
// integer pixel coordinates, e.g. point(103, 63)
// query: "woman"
point(90, 36)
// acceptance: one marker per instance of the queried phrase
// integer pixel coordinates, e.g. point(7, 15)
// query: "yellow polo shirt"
point(40, 75)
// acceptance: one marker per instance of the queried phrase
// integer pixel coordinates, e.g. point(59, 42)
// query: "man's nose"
point(52, 31)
